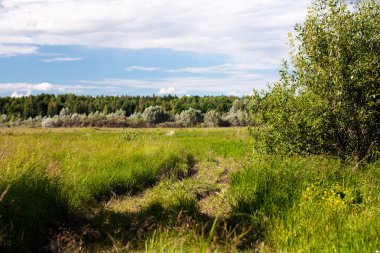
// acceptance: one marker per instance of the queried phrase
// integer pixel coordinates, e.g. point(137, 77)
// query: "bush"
point(237, 118)
point(190, 117)
point(327, 101)
point(48, 123)
point(213, 119)
point(136, 120)
point(154, 115)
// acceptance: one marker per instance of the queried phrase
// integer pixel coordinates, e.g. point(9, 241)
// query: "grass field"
point(178, 190)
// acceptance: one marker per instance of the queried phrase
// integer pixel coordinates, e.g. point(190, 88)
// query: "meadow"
point(178, 190)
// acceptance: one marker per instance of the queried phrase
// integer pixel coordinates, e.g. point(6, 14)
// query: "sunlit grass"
point(67, 172)
point(178, 190)
point(310, 204)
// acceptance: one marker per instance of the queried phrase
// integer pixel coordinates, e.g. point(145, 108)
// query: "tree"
point(328, 99)
point(154, 115)
point(213, 119)
point(52, 107)
point(190, 117)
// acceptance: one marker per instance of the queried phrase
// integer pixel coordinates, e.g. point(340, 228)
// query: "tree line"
point(50, 105)
point(69, 110)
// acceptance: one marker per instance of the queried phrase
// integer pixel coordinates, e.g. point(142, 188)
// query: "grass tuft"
point(30, 207)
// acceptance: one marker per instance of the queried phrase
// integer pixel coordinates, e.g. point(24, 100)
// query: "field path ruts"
point(125, 219)
point(208, 184)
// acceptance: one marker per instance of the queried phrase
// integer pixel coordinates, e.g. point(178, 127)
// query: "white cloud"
point(140, 68)
point(61, 59)
point(13, 50)
point(230, 69)
point(15, 94)
point(199, 70)
point(189, 85)
point(247, 31)
point(42, 87)
point(221, 69)
point(171, 85)
point(171, 90)
point(25, 89)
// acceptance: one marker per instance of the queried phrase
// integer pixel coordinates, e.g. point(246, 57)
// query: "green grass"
point(197, 190)
point(313, 204)
point(30, 204)
point(69, 172)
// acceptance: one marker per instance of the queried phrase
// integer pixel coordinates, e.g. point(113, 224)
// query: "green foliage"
point(237, 118)
point(190, 117)
point(50, 105)
point(213, 119)
point(154, 115)
point(328, 100)
point(53, 177)
point(86, 111)
point(309, 204)
point(31, 204)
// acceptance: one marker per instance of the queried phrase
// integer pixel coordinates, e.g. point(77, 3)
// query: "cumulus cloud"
point(42, 87)
point(15, 94)
point(172, 91)
point(61, 59)
point(247, 31)
point(24, 89)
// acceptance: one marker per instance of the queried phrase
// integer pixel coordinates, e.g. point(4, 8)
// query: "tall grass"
point(127, 176)
point(297, 204)
point(310, 204)
point(49, 176)
point(45, 180)
point(31, 204)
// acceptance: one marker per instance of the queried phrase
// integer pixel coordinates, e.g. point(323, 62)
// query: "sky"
point(137, 47)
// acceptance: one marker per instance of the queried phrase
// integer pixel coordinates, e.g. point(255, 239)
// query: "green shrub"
point(327, 100)
point(190, 117)
point(154, 115)
point(213, 119)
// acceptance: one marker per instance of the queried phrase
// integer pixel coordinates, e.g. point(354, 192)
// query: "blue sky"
point(134, 47)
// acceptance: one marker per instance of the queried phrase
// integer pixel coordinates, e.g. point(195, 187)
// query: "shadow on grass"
point(35, 216)
point(107, 229)
point(33, 204)
point(30, 206)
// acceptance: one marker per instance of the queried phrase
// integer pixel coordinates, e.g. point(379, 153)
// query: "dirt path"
point(123, 221)
point(208, 185)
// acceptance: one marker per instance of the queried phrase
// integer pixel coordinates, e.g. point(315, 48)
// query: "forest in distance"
point(50, 104)
point(69, 110)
